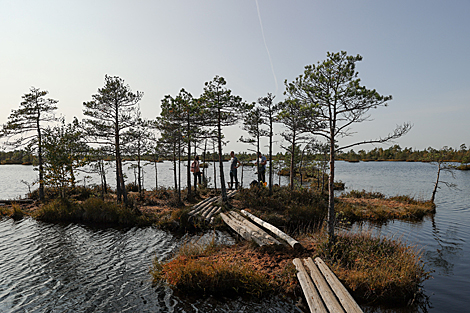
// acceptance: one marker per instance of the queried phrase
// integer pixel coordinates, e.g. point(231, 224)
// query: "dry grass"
point(227, 271)
point(14, 211)
point(374, 206)
point(376, 270)
point(92, 210)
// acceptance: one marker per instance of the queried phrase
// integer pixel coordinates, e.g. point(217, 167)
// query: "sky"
point(417, 51)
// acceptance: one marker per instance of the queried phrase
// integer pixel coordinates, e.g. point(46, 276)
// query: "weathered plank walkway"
point(276, 231)
point(206, 209)
point(322, 289)
point(248, 230)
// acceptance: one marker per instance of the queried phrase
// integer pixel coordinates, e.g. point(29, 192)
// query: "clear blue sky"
point(416, 51)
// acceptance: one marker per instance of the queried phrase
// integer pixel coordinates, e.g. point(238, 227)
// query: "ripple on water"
point(74, 268)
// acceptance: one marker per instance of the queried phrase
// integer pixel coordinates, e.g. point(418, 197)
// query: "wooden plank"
point(237, 224)
point(291, 241)
point(239, 230)
point(212, 212)
point(198, 205)
point(203, 206)
point(328, 296)
point(256, 231)
point(215, 213)
point(311, 294)
point(205, 209)
point(347, 301)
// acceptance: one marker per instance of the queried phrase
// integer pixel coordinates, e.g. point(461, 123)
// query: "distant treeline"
point(396, 153)
point(16, 157)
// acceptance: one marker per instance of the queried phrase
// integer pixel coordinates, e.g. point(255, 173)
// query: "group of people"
point(234, 164)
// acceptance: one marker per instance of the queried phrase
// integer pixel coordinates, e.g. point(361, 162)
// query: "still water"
point(75, 268)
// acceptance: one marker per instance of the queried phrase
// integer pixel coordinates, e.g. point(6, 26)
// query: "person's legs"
point(231, 179)
point(236, 178)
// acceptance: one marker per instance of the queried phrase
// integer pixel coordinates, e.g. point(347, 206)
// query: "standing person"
point(234, 164)
point(262, 167)
point(196, 171)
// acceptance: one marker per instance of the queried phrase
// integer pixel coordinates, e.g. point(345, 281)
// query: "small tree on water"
point(440, 158)
point(111, 113)
point(334, 89)
point(25, 126)
point(223, 109)
point(64, 153)
point(269, 111)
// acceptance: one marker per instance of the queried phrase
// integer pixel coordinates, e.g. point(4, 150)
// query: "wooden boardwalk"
point(206, 209)
point(248, 230)
point(322, 289)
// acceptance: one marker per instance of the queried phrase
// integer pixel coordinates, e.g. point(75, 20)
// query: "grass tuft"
point(375, 207)
point(376, 270)
point(194, 271)
point(92, 210)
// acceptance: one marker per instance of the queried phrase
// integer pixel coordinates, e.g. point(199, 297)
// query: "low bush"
point(209, 271)
point(132, 187)
point(77, 193)
point(14, 211)
point(17, 213)
point(92, 210)
point(176, 220)
point(374, 206)
point(364, 194)
point(375, 270)
point(297, 209)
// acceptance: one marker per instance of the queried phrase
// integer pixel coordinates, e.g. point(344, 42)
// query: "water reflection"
point(449, 246)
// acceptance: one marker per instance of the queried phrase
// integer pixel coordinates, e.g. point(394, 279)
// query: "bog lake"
point(77, 268)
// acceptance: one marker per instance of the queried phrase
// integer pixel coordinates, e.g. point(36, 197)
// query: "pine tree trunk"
point(331, 194)
point(221, 165)
point(292, 173)
point(41, 165)
point(271, 158)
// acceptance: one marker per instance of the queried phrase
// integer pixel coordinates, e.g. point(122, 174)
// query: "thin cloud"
point(265, 44)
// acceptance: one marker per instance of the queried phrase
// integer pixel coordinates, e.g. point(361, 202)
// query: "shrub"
point(59, 210)
point(132, 187)
point(17, 213)
point(92, 210)
point(364, 194)
point(77, 192)
point(376, 270)
point(298, 208)
point(14, 211)
point(374, 206)
point(192, 272)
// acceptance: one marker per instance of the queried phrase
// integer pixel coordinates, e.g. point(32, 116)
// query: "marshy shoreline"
point(270, 270)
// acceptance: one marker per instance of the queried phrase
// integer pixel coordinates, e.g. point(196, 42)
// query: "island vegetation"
point(375, 270)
